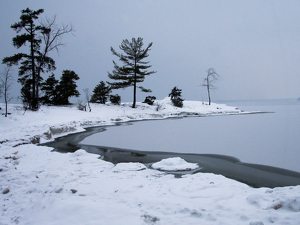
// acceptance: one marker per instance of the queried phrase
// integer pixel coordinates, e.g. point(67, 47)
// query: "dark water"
point(261, 150)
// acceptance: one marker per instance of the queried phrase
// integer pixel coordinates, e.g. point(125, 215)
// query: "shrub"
point(159, 106)
point(178, 102)
point(81, 106)
point(115, 99)
point(176, 97)
point(149, 100)
point(101, 93)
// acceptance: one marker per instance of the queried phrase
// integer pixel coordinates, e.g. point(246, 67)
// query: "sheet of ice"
point(174, 164)
point(264, 138)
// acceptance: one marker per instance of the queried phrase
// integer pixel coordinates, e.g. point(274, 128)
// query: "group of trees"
point(46, 37)
point(58, 92)
point(42, 39)
point(134, 70)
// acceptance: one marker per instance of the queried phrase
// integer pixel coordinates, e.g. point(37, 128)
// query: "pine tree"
point(176, 97)
point(134, 69)
point(37, 61)
point(66, 87)
point(49, 88)
point(101, 93)
point(26, 93)
point(28, 70)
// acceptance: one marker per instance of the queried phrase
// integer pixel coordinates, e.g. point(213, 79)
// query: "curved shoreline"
point(252, 174)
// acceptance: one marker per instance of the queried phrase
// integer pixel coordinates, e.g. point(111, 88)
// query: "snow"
point(50, 122)
point(174, 164)
point(41, 186)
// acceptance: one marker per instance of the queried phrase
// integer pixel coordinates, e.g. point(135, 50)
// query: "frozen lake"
point(270, 138)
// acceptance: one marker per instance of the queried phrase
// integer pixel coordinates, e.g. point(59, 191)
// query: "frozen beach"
point(41, 186)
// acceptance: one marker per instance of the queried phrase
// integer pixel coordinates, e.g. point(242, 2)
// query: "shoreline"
point(73, 120)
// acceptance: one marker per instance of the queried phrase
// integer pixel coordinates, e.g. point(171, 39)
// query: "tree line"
point(46, 36)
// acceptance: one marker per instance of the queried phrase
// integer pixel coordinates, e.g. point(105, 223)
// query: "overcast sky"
point(253, 45)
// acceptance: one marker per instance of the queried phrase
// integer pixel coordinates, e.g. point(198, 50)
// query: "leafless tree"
point(6, 81)
point(1, 87)
point(208, 81)
point(52, 38)
point(87, 97)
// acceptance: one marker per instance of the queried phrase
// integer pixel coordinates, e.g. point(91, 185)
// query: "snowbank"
point(54, 121)
point(38, 186)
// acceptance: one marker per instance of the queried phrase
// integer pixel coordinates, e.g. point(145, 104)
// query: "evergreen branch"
point(144, 89)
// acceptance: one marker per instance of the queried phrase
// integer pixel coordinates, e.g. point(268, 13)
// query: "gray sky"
point(253, 45)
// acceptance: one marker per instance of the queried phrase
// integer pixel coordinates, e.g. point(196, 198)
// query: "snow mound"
point(129, 167)
point(79, 152)
point(174, 164)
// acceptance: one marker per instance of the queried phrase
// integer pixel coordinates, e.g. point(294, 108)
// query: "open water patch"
point(260, 149)
point(230, 167)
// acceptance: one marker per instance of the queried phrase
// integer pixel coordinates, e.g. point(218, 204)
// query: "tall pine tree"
point(37, 61)
point(28, 71)
point(134, 69)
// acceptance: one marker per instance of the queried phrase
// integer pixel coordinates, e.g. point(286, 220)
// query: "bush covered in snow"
point(115, 99)
point(176, 97)
point(149, 100)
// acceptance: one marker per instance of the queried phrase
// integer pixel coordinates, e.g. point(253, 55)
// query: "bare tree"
point(6, 81)
point(208, 81)
point(87, 97)
point(1, 87)
point(52, 38)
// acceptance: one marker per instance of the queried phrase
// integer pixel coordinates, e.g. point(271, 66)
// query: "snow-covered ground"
point(38, 186)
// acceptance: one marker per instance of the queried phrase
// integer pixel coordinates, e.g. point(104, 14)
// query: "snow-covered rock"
point(174, 164)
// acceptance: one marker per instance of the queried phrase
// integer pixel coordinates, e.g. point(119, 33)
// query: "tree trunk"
point(37, 96)
point(33, 100)
point(134, 86)
point(207, 84)
point(134, 92)
point(208, 96)
point(5, 97)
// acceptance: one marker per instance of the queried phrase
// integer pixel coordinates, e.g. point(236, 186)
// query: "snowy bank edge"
point(105, 115)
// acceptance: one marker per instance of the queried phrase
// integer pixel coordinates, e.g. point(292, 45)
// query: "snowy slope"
point(38, 186)
point(54, 121)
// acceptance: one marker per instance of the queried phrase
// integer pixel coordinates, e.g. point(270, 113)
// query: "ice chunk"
point(174, 164)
